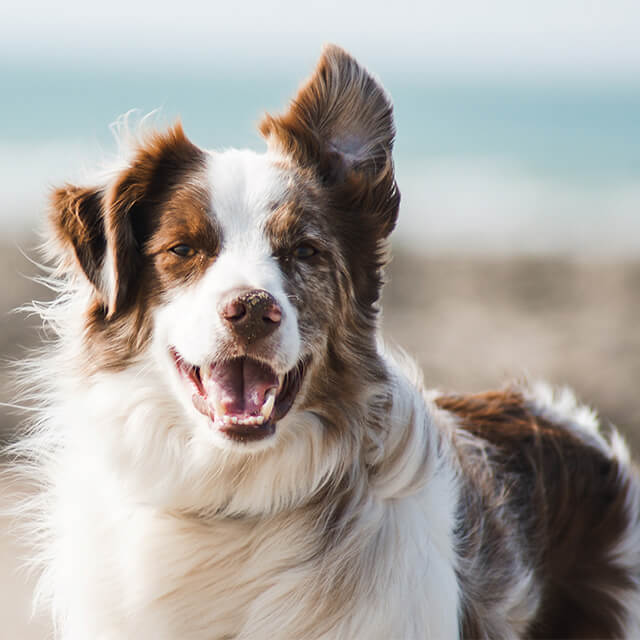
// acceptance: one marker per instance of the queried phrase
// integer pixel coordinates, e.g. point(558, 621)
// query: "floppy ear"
point(76, 216)
point(341, 125)
point(96, 238)
point(103, 230)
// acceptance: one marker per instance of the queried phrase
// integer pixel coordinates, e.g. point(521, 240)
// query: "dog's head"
point(251, 280)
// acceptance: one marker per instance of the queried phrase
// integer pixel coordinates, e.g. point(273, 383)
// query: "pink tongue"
point(239, 386)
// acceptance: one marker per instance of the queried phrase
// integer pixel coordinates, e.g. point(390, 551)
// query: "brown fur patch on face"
point(337, 326)
point(340, 128)
point(316, 285)
point(186, 239)
point(157, 204)
point(136, 200)
point(536, 486)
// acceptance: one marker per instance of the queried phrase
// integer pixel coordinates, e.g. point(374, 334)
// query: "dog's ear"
point(103, 230)
point(76, 216)
point(341, 125)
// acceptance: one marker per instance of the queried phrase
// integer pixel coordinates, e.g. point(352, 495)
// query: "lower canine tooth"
point(269, 402)
point(218, 409)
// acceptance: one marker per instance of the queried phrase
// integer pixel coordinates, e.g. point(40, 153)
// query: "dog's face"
point(249, 296)
point(249, 280)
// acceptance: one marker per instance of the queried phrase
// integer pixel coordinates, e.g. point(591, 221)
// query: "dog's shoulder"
point(551, 498)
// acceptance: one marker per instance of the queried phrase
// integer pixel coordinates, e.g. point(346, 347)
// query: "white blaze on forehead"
point(245, 187)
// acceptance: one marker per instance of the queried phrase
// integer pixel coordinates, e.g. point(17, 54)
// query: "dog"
point(225, 448)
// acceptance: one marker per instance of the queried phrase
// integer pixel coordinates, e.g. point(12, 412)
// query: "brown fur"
point(562, 495)
point(185, 219)
point(326, 298)
point(149, 209)
point(76, 218)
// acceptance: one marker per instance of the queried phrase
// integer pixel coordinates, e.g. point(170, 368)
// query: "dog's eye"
point(182, 250)
point(304, 252)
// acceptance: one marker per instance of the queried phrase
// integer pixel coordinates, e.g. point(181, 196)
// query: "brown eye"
point(304, 252)
point(182, 250)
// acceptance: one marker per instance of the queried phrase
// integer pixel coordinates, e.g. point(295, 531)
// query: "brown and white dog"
point(225, 449)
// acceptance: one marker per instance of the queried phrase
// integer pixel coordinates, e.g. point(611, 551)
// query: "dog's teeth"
point(218, 408)
point(260, 419)
point(269, 402)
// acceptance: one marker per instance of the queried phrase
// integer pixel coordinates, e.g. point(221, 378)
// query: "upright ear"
point(101, 231)
point(341, 125)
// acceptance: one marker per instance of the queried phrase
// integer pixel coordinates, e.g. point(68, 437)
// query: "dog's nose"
point(251, 315)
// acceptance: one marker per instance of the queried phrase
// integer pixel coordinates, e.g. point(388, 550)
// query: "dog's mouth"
point(244, 398)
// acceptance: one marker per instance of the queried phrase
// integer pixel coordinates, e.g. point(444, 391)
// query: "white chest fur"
point(132, 571)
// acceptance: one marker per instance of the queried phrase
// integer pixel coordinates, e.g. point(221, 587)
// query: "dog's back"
point(549, 514)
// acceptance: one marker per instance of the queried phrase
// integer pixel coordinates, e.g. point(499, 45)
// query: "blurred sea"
point(484, 166)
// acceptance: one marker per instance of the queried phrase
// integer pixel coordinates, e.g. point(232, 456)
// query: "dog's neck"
point(392, 450)
point(390, 445)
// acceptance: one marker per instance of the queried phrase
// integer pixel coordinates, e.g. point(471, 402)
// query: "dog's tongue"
point(238, 387)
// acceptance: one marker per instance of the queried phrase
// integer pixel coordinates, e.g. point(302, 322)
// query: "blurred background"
point(518, 158)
